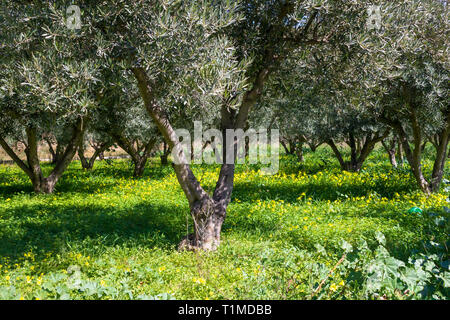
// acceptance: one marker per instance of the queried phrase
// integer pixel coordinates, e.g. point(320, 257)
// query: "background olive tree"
point(45, 85)
point(406, 67)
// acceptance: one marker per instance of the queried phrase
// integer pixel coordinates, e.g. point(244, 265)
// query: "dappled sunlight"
point(107, 214)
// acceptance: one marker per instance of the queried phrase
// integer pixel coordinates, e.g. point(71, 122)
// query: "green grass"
point(106, 235)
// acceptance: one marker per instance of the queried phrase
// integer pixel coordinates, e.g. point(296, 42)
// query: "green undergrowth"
point(311, 231)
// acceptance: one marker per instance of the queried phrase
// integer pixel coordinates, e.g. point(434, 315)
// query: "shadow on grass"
point(251, 191)
point(43, 229)
point(403, 235)
point(84, 183)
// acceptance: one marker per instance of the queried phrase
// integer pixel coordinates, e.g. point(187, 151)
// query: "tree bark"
point(390, 149)
point(165, 155)
point(285, 147)
point(441, 155)
point(52, 151)
point(412, 155)
point(208, 213)
point(164, 160)
point(88, 164)
point(313, 146)
point(139, 153)
point(400, 152)
point(139, 167)
point(337, 153)
point(369, 145)
point(392, 159)
point(33, 169)
point(345, 165)
point(358, 155)
point(299, 152)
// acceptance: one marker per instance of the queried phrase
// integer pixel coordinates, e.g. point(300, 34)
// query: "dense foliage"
point(128, 74)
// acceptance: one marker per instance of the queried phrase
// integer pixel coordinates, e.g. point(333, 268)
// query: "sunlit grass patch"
point(105, 235)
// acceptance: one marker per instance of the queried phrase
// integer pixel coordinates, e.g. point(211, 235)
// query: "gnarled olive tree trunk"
point(414, 154)
point(57, 152)
point(314, 145)
point(32, 167)
point(208, 212)
point(390, 146)
point(88, 163)
point(165, 155)
point(139, 152)
point(359, 151)
point(294, 145)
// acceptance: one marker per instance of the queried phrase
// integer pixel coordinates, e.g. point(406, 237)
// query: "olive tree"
point(406, 63)
point(45, 86)
point(312, 104)
point(122, 117)
point(98, 141)
point(262, 32)
point(210, 56)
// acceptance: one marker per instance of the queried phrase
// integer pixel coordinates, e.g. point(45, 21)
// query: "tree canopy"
point(132, 72)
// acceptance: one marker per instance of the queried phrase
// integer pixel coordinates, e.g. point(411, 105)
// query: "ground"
point(45, 155)
point(311, 231)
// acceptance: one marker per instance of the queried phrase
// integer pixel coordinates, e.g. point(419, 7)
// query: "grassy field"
point(310, 232)
point(45, 155)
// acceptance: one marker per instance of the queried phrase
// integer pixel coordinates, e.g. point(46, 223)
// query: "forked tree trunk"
point(44, 185)
point(208, 213)
point(139, 167)
point(285, 146)
point(88, 163)
point(55, 153)
point(352, 166)
point(390, 149)
point(414, 156)
point(33, 169)
point(313, 146)
point(139, 153)
point(441, 156)
point(357, 157)
point(208, 217)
